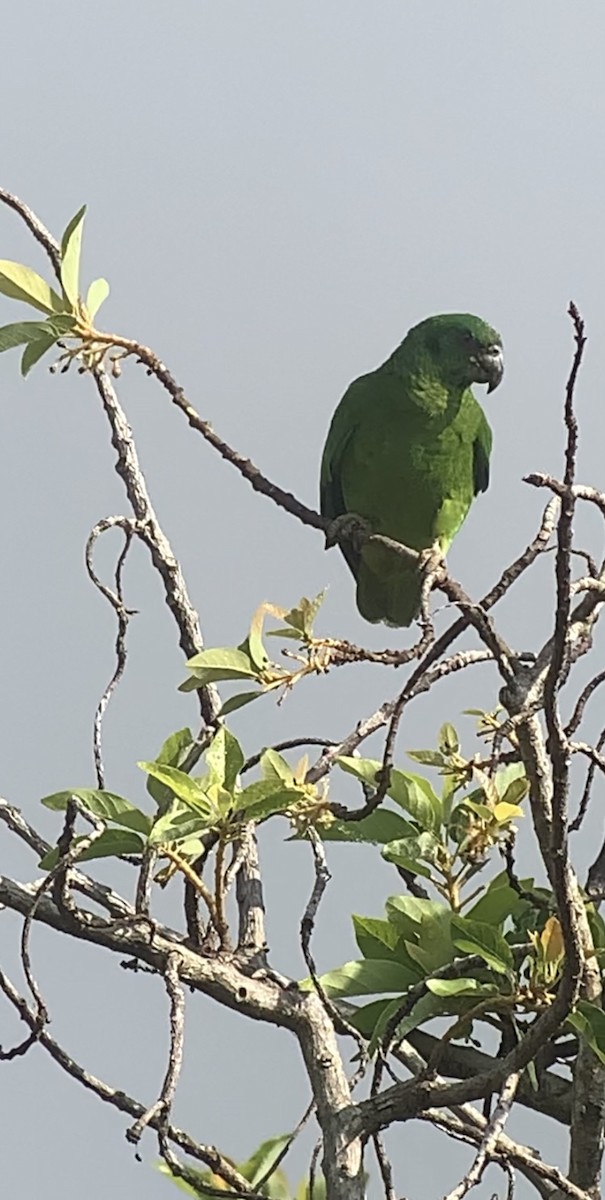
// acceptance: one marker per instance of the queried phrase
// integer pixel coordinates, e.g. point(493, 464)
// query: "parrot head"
point(463, 346)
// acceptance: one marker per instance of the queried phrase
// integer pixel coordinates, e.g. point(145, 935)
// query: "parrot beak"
point(491, 365)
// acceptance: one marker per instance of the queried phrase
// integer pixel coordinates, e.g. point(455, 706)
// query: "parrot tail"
point(393, 598)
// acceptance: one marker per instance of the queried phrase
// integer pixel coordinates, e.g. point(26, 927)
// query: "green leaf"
point(474, 937)
point(427, 1007)
point(434, 947)
point(34, 351)
point(411, 792)
point(221, 801)
point(428, 758)
point(263, 1158)
point(498, 902)
point(173, 753)
point(273, 766)
point(267, 797)
point(508, 774)
point(196, 1182)
point(407, 914)
point(597, 926)
point(478, 807)
point(589, 1021)
point(412, 865)
point(21, 332)
point(225, 758)
point(235, 702)
point(362, 768)
point(367, 977)
point(180, 784)
point(301, 617)
point(30, 332)
point(253, 645)
point(436, 938)
point(416, 796)
point(20, 283)
point(61, 323)
point(449, 742)
point(515, 792)
point(422, 959)
point(320, 1191)
point(378, 828)
point(365, 1018)
point(375, 938)
point(106, 805)
point(110, 844)
point(460, 987)
point(71, 244)
point(209, 666)
point(96, 296)
point(179, 824)
point(285, 631)
point(410, 852)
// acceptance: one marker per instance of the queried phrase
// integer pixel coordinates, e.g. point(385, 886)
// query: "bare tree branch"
point(208, 1155)
point(489, 1140)
point(160, 1110)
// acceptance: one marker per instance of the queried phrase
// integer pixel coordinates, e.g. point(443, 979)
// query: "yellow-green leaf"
point(504, 812)
point(71, 244)
point(551, 939)
point(449, 742)
point(21, 283)
point(96, 296)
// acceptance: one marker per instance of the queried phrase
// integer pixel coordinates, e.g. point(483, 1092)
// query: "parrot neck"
point(425, 387)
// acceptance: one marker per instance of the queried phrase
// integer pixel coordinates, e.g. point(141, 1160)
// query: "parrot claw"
point(431, 560)
point(349, 527)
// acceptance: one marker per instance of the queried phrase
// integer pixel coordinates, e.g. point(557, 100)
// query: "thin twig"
point(129, 470)
point(384, 1166)
point(142, 901)
point(71, 852)
point(581, 702)
point(123, 615)
point(160, 1110)
point(279, 1158)
point(36, 227)
point(430, 670)
point(590, 774)
point(307, 925)
point(289, 744)
point(222, 926)
point(208, 1155)
point(489, 1141)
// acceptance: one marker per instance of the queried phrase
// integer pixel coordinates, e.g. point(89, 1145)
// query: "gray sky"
point(276, 193)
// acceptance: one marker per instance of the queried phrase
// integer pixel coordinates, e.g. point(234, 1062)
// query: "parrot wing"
point(482, 448)
point(341, 434)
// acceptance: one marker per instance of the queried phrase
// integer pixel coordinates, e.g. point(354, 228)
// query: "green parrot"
point(407, 451)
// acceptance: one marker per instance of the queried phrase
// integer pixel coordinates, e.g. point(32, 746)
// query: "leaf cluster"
point(188, 808)
point(66, 314)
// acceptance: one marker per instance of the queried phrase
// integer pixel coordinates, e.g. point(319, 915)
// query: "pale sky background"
point(276, 193)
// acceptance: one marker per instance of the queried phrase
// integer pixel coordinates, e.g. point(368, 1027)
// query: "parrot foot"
point(431, 560)
point(349, 527)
